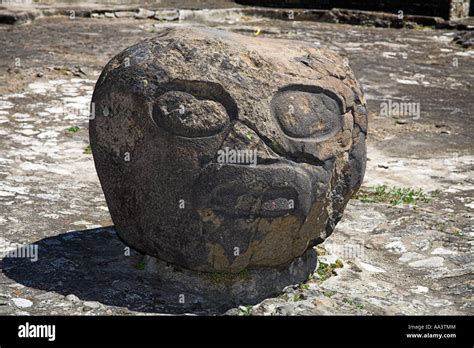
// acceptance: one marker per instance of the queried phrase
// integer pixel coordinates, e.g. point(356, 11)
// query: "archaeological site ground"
point(237, 158)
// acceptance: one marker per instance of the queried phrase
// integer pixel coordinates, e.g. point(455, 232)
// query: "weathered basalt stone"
point(465, 39)
point(174, 114)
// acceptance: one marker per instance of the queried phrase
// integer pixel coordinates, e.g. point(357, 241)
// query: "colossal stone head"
point(222, 152)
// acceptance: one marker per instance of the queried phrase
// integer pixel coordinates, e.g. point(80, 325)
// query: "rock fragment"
point(22, 302)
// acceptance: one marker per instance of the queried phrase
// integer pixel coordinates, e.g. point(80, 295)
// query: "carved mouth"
point(240, 203)
point(268, 191)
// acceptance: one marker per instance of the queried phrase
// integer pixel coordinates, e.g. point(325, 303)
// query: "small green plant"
point(393, 195)
point(304, 286)
point(325, 270)
point(73, 129)
point(321, 251)
point(88, 150)
point(275, 146)
point(338, 264)
point(140, 265)
point(297, 297)
point(347, 300)
point(245, 310)
point(456, 231)
point(351, 302)
point(329, 293)
point(65, 71)
point(227, 277)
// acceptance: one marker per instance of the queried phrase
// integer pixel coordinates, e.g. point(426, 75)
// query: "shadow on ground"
point(95, 265)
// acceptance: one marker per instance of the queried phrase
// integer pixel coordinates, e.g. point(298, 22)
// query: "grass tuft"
point(227, 277)
point(140, 266)
point(392, 195)
point(73, 129)
point(325, 270)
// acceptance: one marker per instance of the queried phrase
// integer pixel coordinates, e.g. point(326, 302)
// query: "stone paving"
point(408, 258)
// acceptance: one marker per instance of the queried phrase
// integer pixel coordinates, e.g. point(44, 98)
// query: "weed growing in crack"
point(393, 195)
point(325, 270)
point(73, 129)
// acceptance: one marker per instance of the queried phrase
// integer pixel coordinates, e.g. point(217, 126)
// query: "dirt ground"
point(385, 257)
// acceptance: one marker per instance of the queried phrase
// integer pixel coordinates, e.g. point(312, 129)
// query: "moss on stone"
point(228, 277)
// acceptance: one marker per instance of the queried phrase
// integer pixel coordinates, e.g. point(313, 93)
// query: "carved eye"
point(306, 114)
point(182, 114)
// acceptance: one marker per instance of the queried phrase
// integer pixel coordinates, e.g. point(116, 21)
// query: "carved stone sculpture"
point(219, 152)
